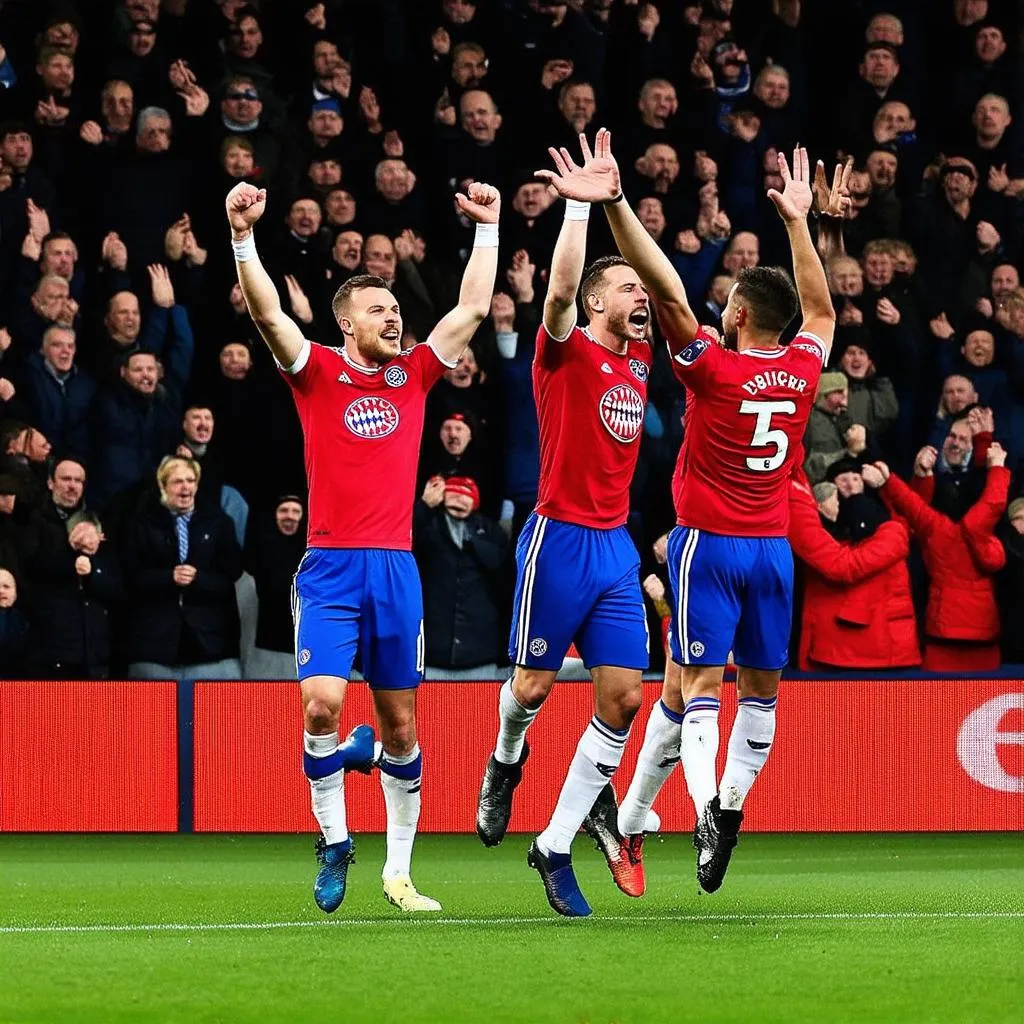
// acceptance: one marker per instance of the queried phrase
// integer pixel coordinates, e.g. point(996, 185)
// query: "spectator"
point(13, 624)
point(181, 562)
point(962, 555)
point(828, 426)
point(857, 606)
point(871, 399)
point(67, 494)
point(461, 555)
point(272, 554)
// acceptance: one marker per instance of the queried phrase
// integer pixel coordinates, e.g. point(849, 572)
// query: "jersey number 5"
point(765, 436)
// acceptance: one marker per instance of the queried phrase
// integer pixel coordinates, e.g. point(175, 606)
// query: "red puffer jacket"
point(961, 558)
point(858, 611)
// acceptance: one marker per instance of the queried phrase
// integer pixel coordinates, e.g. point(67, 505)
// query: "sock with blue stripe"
point(699, 748)
point(401, 780)
point(322, 764)
point(749, 745)
point(658, 756)
point(598, 754)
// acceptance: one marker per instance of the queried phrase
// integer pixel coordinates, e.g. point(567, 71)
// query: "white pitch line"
point(258, 926)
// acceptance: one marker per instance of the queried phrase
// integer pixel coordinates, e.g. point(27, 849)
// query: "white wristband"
point(575, 210)
point(245, 249)
point(486, 236)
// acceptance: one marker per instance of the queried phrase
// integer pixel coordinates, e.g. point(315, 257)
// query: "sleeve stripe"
point(565, 337)
point(451, 364)
point(818, 341)
point(300, 360)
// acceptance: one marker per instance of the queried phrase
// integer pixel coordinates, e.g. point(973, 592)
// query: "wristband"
point(575, 210)
point(486, 236)
point(245, 249)
point(614, 199)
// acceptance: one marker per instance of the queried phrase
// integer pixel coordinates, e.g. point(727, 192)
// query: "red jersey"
point(746, 413)
point(590, 410)
point(362, 429)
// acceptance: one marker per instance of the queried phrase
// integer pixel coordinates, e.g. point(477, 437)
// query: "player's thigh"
point(615, 631)
point(396, 718)
point(391, 641)
point(326, 598)
point(707, 588)
point(762, 637)
point(554, 592)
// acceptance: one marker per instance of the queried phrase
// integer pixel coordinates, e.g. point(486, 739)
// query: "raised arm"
point(598, 181)
point(245, 205)
point(566, 270)
point(832, 206)
point(455, 330)
point(793, 204)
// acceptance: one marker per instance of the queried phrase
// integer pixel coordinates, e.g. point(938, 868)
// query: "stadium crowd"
point(149, 454)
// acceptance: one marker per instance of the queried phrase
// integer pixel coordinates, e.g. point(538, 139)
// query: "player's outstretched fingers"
point(585, 149)
point(783, 170)
point(567, 158)
point(560, 164)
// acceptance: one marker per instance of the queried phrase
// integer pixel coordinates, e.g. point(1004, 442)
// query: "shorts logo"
point(692, 352)
point(622, 412)
point(304, 656)
point(538, 647)
point(696, 648)
point(395, 376)
point(370, 416)
point(639, 370)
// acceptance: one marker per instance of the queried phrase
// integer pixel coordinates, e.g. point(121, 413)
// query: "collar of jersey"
point(619, 355)
point(764, 353)
point(369, 370)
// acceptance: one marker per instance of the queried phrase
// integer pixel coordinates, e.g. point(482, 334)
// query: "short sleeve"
point(550, 351)
point(807, 342)
point(425, 363)
point(306, 368)
point(694, 364)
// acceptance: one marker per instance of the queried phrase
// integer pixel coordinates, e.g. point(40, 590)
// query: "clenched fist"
point(245, 204)
point(481, 203)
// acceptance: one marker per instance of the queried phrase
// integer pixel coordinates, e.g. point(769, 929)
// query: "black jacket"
point(1010, 592)
point(271, 559)
point(70, 614)
point(175, 625)
point(461, 589)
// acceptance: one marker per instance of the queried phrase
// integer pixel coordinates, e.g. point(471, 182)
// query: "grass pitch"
point(223, 928)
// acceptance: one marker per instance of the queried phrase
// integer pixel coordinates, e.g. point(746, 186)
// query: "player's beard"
point(380, 350)
point(731, 339)
point(622, 329)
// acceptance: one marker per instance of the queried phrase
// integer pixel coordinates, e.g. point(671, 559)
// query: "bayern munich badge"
point(639, 369)
point(371, 416)
point(622, 412)
point(395, 376)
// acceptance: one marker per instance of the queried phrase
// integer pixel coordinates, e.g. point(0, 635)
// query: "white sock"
point(750, 742)
point(400, 778)
point(658, 757)
point(321, 762)
point(513, 721)
point(699, 749)
point(598, 754)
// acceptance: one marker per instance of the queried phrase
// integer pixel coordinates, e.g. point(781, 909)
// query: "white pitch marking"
point(258, 926)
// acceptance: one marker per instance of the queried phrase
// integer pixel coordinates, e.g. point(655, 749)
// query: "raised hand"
point(433, 493)
point(597, 181)
point(298, 300)
point(481, 203)
point(996, 455)
point(503, 313)
point(38, 220)
point(114, 251)
point(520, 276)
point(924, 461)
point(794, 201)
point(981, 420)
point(6, 390)
point(834, 201)
point(875, 475)
point(245, 205)
point(160, 283)
point(941, 327)
point(91, 133)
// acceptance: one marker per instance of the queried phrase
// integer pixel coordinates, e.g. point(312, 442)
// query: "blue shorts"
point(577, 584)
point(730, 594)
point(364, 603)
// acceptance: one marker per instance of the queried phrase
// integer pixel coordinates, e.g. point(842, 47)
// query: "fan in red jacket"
point(962, 557)
point(857, 609)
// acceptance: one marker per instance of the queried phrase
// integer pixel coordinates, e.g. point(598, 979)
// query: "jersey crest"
point(622, 412)
point(372, 417)
point(395, 376)
point(639, 369)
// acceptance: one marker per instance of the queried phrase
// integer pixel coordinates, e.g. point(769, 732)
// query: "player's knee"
point(531, 688)
point(629, 702)
point(320, 717)
point(399, 738)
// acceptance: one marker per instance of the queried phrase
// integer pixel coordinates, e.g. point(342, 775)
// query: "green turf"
point(672, 956)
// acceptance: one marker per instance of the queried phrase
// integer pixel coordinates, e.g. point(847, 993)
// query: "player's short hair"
point(352, 285)
point(769, 295)
point(593, 277)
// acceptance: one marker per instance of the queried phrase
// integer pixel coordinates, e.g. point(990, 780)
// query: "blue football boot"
point(329, 887)
point(560, 885)
point(359, 750)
